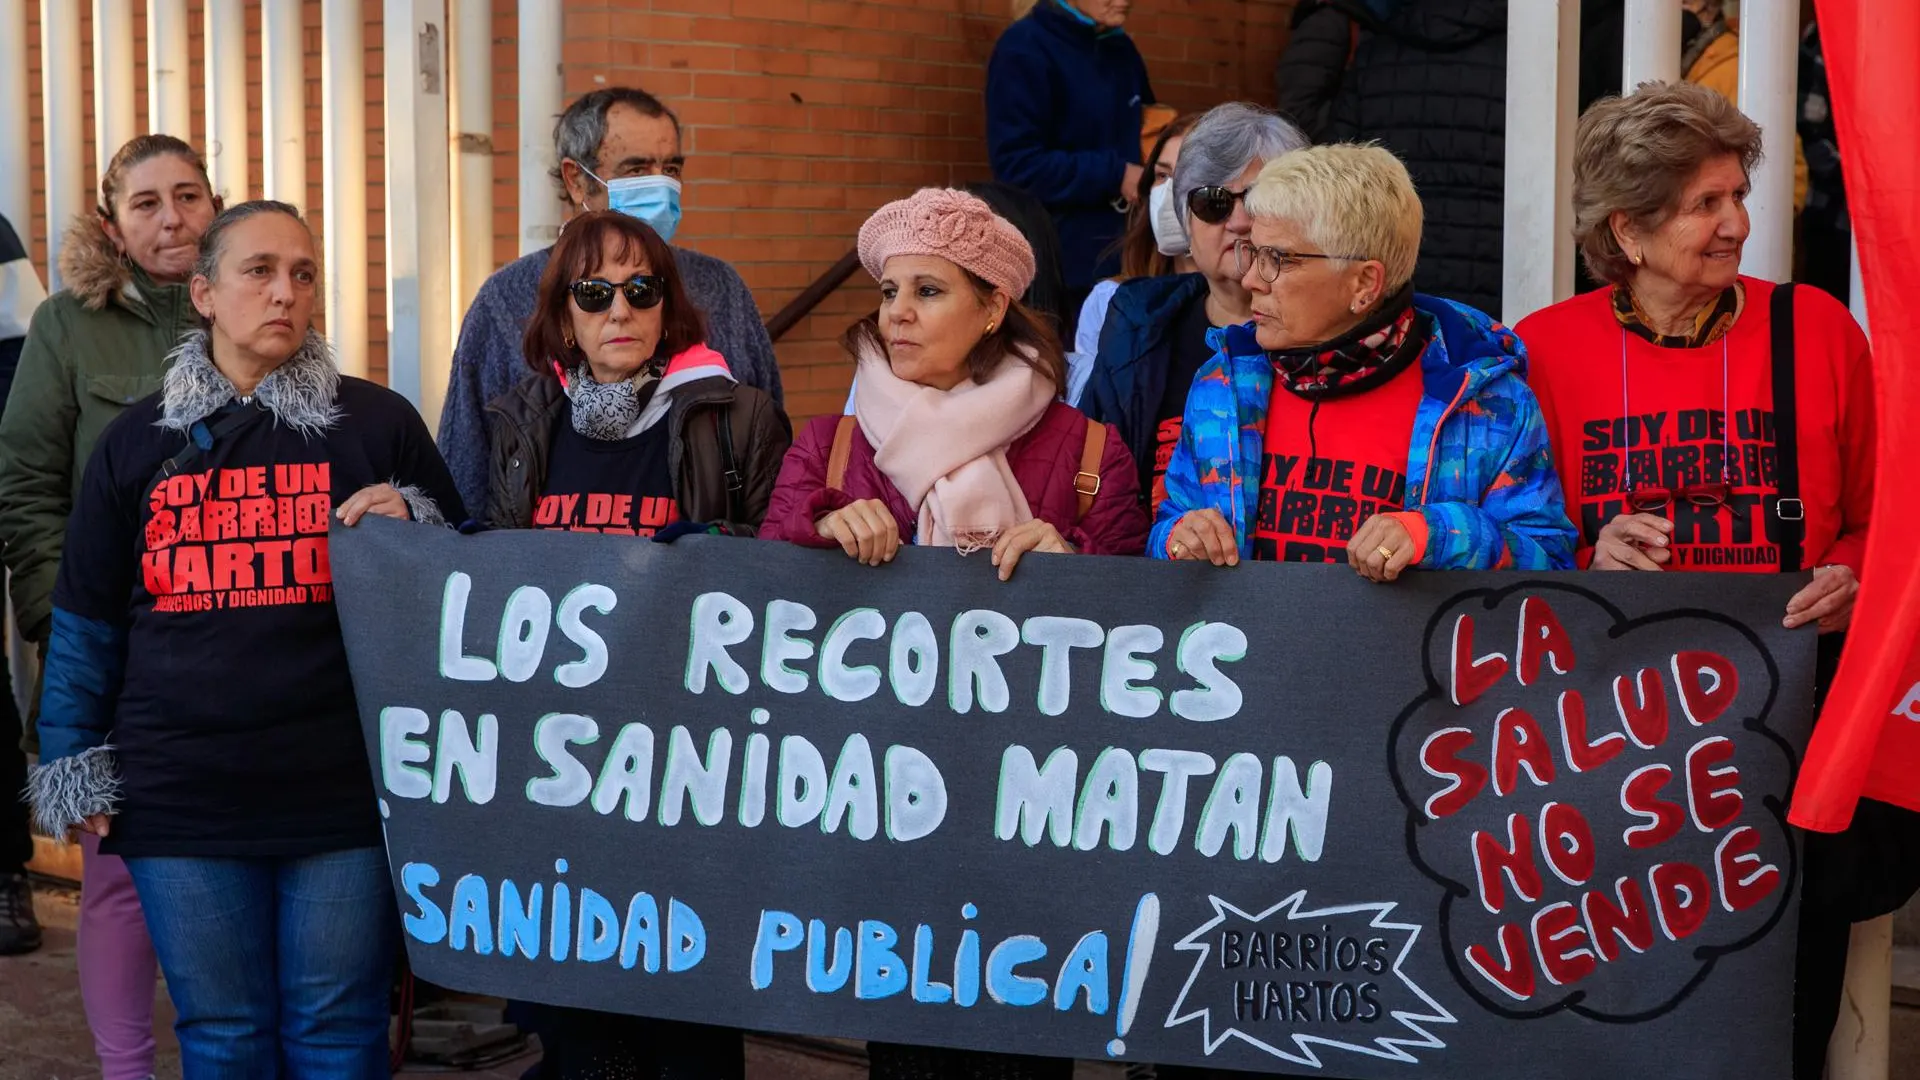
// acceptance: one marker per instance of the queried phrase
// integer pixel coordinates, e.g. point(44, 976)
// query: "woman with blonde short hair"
point(1354, 420)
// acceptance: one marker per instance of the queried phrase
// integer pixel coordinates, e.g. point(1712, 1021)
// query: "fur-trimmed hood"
point(91, 268)
point(302, 393)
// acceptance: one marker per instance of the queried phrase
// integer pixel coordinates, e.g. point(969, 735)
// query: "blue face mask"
point(653, 199)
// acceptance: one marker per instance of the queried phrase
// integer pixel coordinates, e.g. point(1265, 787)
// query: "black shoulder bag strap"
point(730, 465)
point(202, 434)
point(1787, 506)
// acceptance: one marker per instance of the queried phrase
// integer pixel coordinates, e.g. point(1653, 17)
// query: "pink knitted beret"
point(955, 226)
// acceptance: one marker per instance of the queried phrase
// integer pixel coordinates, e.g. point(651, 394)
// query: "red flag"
point(1868, 739)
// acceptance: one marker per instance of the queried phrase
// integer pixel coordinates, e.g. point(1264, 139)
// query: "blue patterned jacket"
point(1479, 471)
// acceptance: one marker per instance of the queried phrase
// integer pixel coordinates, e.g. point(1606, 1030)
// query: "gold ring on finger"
point(1385, 552)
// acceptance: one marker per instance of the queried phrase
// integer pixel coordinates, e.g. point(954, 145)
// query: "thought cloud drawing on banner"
point(1331, 971)
point(1585, 844)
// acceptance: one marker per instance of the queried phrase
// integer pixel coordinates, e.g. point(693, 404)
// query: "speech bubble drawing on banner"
point(1598, 851)
point(1329, 975)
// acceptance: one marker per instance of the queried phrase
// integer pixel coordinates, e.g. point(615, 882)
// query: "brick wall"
point(801, 116)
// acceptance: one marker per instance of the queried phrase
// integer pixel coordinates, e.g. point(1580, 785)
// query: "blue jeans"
point(279, 968)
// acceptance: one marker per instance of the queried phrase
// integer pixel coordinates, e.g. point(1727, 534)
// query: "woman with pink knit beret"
point(958, 436)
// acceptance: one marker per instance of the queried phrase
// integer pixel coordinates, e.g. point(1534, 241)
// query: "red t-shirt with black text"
point(1317, 486)
point(1682, 418)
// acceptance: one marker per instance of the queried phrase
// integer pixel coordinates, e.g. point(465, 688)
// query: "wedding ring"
point(1385, 552)
point(1177, 548)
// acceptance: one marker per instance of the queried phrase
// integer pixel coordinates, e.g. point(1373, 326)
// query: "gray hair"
point(213, 242)
point(578, 133)
point(1223, 143)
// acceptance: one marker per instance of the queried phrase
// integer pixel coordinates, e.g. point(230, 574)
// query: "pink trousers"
point(117, 966)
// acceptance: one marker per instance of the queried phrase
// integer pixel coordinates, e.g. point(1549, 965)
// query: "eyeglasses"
point(595, 295)
point(1646, 499)
point(1272, 261)
point(1214, 204)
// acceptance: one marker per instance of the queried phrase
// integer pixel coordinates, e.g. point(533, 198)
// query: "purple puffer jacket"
point(1044, 461)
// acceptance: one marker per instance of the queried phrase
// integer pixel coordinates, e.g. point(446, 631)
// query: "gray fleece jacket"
point(487, 362)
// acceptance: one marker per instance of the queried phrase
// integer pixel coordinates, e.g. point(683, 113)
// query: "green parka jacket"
point(94, 348)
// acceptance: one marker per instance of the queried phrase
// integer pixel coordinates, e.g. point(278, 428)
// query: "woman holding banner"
point(958, 437)
point(1354, 420)
point(629, 424)
point(193, 621)
point(1718, 422)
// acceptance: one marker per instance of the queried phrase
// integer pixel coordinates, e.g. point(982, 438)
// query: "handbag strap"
point(202, 434)
point(730, 465)
point(842, 450)
point(1086, 482)
point(1787, 507)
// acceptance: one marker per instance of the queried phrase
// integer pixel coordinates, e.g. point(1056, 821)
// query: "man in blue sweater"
point(1065, 90)
point(618, 147)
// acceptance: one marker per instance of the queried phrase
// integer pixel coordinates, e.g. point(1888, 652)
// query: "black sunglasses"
point(1214, 204)
point(595, 295)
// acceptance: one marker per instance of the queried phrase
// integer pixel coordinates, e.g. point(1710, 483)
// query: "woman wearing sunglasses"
point(1718, 422)
point(628, 423)
point(1155, 337)
point(1354, 421)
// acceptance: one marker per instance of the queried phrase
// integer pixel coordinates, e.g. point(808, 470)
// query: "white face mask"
point(1169, 235)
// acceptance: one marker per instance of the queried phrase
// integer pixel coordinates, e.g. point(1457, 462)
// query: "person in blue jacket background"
point(1065, 90)
point(1353, 420)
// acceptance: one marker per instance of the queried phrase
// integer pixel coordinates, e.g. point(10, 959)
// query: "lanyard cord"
point(1726, 401)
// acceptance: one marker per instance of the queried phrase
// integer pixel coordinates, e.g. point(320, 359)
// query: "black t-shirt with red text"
point(1328, 469)
point(621, 487)
point(1190, 353)
point(236, 730)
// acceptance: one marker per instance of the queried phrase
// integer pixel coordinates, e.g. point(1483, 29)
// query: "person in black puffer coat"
point(1430, 84)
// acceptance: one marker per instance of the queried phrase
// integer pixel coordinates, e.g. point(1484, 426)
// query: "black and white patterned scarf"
point(608, 411)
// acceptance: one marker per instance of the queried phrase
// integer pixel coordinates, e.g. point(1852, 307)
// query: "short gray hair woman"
point(1157, 332)
point(1659, 201)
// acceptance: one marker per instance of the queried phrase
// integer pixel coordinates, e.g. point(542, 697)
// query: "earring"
point(568, 339)
point(990, 327)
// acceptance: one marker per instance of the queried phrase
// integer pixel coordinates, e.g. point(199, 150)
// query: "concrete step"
point(1906, 975)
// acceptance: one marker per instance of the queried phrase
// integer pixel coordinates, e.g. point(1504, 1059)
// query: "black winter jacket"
point(1430, 84)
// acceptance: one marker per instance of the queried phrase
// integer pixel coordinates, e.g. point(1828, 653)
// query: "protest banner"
point(1270, 818)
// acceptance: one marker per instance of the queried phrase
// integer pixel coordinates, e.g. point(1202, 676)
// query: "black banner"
point(1270, 818)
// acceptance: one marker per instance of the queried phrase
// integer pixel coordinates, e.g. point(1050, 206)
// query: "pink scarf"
point(946, 450)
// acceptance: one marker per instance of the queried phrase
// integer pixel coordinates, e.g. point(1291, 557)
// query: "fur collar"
point(91, 268)
point(302, 393)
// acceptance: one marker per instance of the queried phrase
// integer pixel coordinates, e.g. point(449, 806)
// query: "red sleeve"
point(800, 495)
point(1540, 340)
point(1858, 430)
point(1116, 523)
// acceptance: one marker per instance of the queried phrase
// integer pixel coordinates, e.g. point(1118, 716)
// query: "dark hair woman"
point(97, 346)
point(628, 422)
point(193, 621)
point(958, 437)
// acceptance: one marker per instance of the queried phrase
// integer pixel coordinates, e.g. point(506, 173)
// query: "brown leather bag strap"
point(842, 450)
point(1086, 482)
